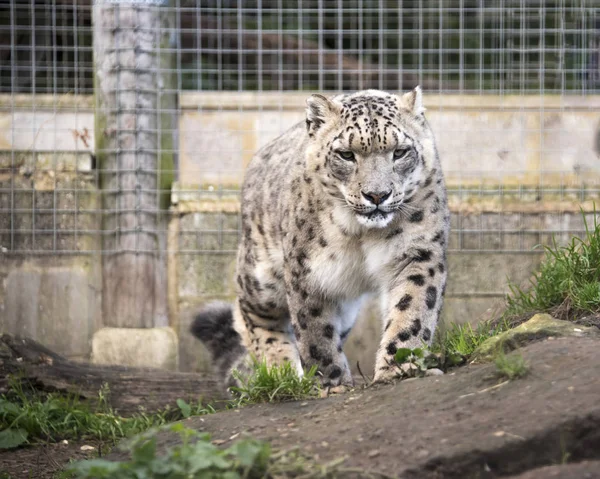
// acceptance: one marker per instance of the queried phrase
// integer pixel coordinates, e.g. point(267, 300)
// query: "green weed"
point(275, 383)
point(197, 458)
point(415, 362)
point(511, 366)
point(27, 416)
point(568, 282)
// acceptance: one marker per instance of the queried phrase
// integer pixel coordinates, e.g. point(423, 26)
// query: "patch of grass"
point(464, 339)
point(275, 384)
point(27, 416)
point(568, 282)
point(197, 458)
point(567, 285)
point(511, 366)
point(458, 342)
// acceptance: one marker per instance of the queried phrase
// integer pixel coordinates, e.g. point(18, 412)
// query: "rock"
point(540, 326)
point(582, 470)
point(434, 372)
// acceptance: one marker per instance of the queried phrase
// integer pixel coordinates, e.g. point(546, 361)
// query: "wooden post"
point(134, 147)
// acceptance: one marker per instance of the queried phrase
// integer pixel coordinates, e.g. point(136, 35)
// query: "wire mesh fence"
point(162, 105)
point(499, 46)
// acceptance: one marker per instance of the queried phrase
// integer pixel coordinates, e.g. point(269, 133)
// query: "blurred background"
point(125, 128)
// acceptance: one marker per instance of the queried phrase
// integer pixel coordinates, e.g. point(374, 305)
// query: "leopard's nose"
point(376, 197)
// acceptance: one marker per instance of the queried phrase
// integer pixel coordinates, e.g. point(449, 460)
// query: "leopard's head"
point(371, 150)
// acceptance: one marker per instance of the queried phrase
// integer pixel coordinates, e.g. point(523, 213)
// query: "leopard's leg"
point(317, 328)
point(266, 334)
point(412, 307)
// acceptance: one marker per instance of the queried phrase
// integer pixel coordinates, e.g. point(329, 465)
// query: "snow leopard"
point(349, 203)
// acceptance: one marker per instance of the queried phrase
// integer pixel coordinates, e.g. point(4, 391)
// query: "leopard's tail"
point(213, 326)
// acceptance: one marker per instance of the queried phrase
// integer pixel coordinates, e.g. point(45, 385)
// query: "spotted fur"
point(351, 202)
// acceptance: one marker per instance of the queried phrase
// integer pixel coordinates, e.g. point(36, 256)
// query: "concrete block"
point(37, 130)
point(199, 275)
point(136, 347)
point(209, 232)
point(227, 141)
point(493, 140)
point(481, 143)
point(471, 309)
point(57, 306)
point(471, 274)
point(36, 225)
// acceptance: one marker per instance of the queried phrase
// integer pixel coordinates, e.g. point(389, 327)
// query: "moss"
point(166, 166)
point(100, 137)
point(539, 327)
point(168, 122)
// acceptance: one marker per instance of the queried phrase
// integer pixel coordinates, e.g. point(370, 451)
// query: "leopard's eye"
point(346, 155)
point(402, 152)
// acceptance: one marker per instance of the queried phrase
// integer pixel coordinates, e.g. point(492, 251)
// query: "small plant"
point(195, 457)
point(568, 282)
point(565, 455)
point(415, 362)
point(275, 383)
point(29, 416)
point(510, 366)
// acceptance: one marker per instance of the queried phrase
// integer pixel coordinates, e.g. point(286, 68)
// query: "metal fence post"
point(135, 155)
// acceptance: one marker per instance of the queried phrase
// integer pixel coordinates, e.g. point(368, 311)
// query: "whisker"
point(408, 207)
point(345, 203)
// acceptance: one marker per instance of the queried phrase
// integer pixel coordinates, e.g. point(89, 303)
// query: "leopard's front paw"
point(335, 390)
point(334, 376)
point(387, 373)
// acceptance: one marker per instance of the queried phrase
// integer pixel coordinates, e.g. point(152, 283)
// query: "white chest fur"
point(351, 267)
point(378, 254)
point(339, 272)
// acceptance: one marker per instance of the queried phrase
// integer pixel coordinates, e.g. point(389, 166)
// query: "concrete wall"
point(50, 275)
point(487, 139)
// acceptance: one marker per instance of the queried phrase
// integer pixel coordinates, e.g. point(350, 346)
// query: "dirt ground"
point(461, 425)
point(42, 461)
point(466, 424)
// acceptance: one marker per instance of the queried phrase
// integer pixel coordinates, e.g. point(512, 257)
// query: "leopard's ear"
point(318, 111)
point(413, 101)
